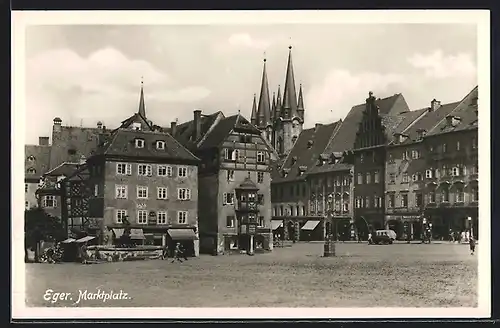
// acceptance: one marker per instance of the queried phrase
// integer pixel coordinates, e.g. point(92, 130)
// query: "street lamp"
point(329, 246)
point(469, 219)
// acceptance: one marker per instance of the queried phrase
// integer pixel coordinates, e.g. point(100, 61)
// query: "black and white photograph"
point(251, 164)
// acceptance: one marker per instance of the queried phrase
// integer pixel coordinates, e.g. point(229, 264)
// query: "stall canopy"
point(275, 224)
point(118, 232)
point(85, 239)
point(182, 234)
point(69, 240)
point(310, 225)
point(137, 234)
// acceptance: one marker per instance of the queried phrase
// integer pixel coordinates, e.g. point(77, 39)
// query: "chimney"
point(197, 124)
point(57, 124)
point(435, 104)
point(43, 141)
point(173, 128)
point(99, 125)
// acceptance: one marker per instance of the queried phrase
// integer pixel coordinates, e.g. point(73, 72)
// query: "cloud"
point(334, 96)
point(438, 65)
point(104, 84)
point(241, 41)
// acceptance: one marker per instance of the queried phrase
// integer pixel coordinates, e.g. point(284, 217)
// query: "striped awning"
point(310, 225)
point(275, 224)
point(69, 240)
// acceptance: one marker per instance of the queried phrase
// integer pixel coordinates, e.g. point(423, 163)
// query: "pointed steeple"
point(253, 117)
point(142, 105)
point(300, 103)
point(264, 109)
point(273, 108)
point(278, 103)
point(289, 107)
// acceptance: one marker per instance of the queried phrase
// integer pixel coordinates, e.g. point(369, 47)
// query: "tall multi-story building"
point(452, 192)
point(234, 181)
point(280, 120)
point(406, 169)
point(36, 163)
point(294, 213)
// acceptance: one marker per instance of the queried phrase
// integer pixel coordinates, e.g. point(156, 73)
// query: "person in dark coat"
point(164, 253)
point(472, 245)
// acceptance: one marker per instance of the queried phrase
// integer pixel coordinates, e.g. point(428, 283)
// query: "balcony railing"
point(246, 206)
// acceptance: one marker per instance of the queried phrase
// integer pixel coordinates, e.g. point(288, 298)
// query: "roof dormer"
point(285, 172)
point(421, 134)
point(310, 144)
point(139, 143)
point(399, 138)
point(323, 158)
point(302, 169)
point(452, 120)
point(294, 160)
point(160, 144)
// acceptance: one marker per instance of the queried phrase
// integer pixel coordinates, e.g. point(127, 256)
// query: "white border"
point(22, 19)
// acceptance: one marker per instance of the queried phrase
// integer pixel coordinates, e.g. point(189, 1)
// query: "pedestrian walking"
point(183, 252)
point(177, 253)
point(164, 253)
point(472, 245)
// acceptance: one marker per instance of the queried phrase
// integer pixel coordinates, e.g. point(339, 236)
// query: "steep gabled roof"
point(346, 135)
point(305, 152)
point(185, 130)
point(36, 158)
point(428, 121)
point(465, 111)
point(122, 143)
point(219, 133)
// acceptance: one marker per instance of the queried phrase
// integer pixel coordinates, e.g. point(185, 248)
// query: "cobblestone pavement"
point(399, 275)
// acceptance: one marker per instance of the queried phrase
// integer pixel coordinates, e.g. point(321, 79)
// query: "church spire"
point(264, 108)
point(253, 117)
point(273, 107)
point(300, 103)
point(142, 105)
point(277, 113)
point(289, 107)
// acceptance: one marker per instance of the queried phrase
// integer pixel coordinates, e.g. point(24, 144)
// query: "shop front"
point(448, 222)
point(407, 226)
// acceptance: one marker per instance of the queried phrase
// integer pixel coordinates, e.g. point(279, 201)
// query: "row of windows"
point(416, 154)
point(142, 192)
point(231, 220)
point(367, 177)
point(229, 197)
point(142, 216)
point(230, 176)
point(456, 171)
point(147, 170)
point(236, 155)
point(366, 202)
point(292, 210)
point(459, 197)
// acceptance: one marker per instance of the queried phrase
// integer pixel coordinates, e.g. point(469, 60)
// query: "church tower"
point(289, 118)
point(264, 122)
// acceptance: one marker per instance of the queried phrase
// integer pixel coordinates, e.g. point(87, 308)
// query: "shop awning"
point(85, 239)
point(310, 225)
point(118, 232)
point(182, 234)
point(69, 240)
point(275, 224)
point(137, 234)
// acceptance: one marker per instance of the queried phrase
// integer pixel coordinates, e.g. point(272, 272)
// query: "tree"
point(40, 226)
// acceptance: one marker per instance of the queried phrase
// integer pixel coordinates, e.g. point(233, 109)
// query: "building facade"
point(37, 161)
point(234, 182)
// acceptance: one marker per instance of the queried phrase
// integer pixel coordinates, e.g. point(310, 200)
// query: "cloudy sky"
point(86, 73)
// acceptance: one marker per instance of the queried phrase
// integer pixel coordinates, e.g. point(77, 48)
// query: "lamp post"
point(329, 246)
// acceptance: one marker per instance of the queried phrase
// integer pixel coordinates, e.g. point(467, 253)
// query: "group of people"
point(179, 253)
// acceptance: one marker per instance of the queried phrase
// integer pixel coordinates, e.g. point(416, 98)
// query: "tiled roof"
point(185, 130)
point(122, 142)
point(66, 169)
point(428, 121)
point(408, 119)
point(306, 151)
point(465, 111)
point(346, 135)
point(36, 158)
point(220, 132)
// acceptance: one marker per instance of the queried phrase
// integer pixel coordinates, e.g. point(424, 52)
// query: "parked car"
point(383, 237)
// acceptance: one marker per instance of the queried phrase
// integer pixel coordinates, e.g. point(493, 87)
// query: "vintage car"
point(383, 237)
